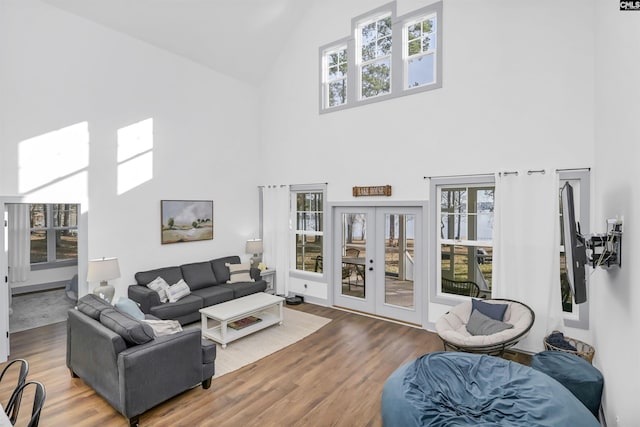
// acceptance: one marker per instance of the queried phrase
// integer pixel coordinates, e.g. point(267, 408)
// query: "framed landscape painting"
point(186, 220)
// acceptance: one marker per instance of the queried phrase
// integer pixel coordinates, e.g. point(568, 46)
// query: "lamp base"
point(105, 292)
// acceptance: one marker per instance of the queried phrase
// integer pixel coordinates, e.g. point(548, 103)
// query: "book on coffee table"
point(243, 323)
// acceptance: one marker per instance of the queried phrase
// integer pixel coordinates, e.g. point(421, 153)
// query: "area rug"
point(246, 350)
point(38, 309)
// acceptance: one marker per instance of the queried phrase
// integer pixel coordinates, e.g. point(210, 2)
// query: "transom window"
point(375, 57)
point(380, 70)
point(335, 86)
point(420, 48)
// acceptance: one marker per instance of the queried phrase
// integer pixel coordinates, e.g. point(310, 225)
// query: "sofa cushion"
point(220, 269)
point(131, 330)
point(170, 274)
point(243, 289)
point(130, 307)
point(214, 295)
point(178, 291)
point(92, 305)
point(198, 275)
point(239, 272)
point(175, 310)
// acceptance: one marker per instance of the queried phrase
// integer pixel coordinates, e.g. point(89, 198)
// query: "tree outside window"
point(54, 232)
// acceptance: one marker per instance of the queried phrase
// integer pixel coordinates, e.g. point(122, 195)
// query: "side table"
point(270, 277)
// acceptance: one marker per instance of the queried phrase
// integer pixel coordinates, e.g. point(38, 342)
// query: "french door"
point(377, 261)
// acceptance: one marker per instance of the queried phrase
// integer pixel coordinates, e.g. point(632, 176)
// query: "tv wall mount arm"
point(606, 248)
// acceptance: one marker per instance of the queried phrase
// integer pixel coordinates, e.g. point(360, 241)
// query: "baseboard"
point(39, 287)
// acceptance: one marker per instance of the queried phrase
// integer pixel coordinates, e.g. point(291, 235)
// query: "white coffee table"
point(265, 306)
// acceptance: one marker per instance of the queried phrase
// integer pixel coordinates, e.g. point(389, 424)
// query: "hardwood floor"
point(333, 377)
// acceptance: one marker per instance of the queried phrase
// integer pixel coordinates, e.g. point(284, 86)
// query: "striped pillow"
point(177, 291)
point(239, 272)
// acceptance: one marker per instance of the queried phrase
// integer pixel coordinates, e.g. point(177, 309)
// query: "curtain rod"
point(458, 176)
point(293, 185)
point(572, 169)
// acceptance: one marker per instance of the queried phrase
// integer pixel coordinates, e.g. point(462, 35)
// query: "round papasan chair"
point(452, 327)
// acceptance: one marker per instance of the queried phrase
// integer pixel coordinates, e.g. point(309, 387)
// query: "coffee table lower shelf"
point(223, 334)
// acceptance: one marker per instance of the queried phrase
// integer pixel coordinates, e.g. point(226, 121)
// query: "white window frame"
point(362, 63)
point(435, 275)
point(398, 66)
point(326, 80)
point(433, 51)
point(579, 317)
point(294, 191)
point(50, 231)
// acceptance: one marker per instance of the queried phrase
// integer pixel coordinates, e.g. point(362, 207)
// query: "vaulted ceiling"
point(240, 38)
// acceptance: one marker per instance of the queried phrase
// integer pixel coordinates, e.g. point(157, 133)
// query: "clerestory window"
point(385, 57)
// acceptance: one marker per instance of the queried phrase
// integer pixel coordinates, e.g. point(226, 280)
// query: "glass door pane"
point(399, 259)
point(353, 251)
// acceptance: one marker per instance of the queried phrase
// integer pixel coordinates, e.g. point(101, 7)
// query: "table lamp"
point(102, 270)
point(254, 246)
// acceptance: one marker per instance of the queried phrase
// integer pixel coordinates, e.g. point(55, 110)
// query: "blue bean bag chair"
point(576, 374)
point(463, 389)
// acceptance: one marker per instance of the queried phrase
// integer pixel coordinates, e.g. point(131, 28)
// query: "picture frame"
point(186, 220)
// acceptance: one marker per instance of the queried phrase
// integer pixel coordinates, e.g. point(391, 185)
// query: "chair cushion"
point(493, 310)
point(198, 275)
point(131, 330)
point(452, 325)
point(92, 305)
point(479, 324)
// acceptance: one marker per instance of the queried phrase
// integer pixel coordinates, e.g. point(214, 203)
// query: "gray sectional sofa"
point(207, 281)
point(122, 360)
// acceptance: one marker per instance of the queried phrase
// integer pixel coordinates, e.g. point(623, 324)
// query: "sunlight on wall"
point(55, 164)
point(135, 155)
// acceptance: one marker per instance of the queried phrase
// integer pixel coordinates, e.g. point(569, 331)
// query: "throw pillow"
point(177, 291)
point(239, 273)
point(160, 286)
point(164, 327)
point(130, 307)
point(131, 330)
point(494, 311)
point(479, 324)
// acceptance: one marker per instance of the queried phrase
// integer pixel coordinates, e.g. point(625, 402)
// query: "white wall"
point(517, 93)
point(615, 294)
point(60, 70)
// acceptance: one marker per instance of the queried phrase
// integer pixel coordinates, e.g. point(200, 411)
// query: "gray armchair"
point(133, 377)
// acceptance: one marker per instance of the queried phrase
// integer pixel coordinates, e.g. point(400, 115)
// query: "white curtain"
point(527, 249)
point(276, 233)
point(19, 240)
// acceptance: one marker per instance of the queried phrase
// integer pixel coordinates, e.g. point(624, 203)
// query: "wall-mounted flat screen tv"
point(574, 247)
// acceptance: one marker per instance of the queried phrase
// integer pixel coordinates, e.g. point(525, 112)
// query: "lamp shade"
point(101, 270)
point(254, 246)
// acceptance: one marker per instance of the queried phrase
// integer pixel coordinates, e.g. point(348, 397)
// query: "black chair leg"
point(133, 422)
point(206, 383)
